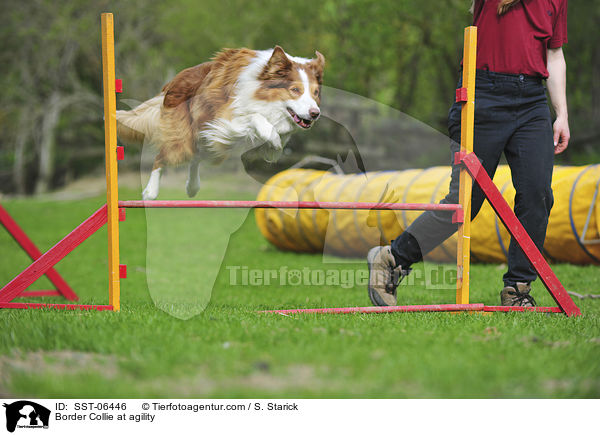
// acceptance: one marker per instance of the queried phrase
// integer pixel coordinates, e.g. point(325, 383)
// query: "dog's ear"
point(278, 66)
point(320, 59)
point(317, 66)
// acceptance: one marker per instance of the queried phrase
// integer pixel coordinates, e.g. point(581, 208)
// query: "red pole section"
point(393, 309)
point(53, 255)
point(289, 204)
point(502, 309)
point(34, 253)
point(516, 230)
point(39, 293)
point(36, 306)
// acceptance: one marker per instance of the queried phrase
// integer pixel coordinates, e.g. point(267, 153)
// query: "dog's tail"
point(139, 124)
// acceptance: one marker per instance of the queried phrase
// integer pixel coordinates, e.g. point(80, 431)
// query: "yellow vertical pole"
point(110, 144)
point(463, 257)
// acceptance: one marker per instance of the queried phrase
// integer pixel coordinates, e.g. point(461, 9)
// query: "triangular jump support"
point(44, 264)
point(19, 235)
point(472, 164)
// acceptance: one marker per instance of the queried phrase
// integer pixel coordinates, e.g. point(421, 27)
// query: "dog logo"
point(26, 414)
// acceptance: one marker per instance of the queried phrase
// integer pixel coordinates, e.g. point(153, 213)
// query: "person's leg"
point(432, 227)
point(530, 155)
point(493, 128)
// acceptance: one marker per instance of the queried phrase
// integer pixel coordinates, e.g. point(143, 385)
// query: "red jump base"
point(26, 306)
point(394, 309)
point(415, 309)
point(492, 308)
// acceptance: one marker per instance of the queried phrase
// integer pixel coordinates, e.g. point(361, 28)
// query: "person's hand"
point(561, 134)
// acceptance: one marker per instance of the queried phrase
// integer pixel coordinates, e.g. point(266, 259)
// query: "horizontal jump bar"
point(289, 204)
point(392, 309)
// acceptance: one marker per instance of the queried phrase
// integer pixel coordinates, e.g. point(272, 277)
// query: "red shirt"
point(516, 41)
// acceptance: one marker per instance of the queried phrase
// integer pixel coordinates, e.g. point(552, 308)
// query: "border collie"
point(241, 97)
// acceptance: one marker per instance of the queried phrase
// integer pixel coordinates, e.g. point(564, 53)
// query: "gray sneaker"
point(384, 276)
point(517, 297)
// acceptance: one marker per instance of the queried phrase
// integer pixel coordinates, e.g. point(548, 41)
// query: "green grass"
point(230, 351)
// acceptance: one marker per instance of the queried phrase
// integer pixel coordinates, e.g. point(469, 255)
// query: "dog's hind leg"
point(152, 188)
point(193, 182)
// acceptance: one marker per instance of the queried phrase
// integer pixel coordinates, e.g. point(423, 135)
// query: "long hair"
point(503, 6)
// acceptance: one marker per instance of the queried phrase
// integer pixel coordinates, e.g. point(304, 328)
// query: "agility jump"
point(113, 212)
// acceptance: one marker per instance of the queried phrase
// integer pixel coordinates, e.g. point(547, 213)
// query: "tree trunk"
point(21, 139)
point(595, 84)
point(47, 143)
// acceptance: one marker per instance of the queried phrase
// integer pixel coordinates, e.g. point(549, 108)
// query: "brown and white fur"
point(241, 97)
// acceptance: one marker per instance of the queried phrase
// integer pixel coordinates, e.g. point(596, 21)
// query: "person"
point(519, 45)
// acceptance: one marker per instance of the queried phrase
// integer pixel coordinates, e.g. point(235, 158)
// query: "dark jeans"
point(511, 116)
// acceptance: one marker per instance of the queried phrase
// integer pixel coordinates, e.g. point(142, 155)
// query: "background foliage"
point(401, 53)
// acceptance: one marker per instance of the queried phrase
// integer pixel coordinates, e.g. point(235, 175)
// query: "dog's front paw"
point(149, 194)
point(153, 186)
point(270, 152)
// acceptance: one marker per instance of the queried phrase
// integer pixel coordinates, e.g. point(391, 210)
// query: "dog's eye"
point(296, 90)
point(316, 92)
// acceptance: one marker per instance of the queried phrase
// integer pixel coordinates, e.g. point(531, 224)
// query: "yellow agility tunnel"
point(573, 234)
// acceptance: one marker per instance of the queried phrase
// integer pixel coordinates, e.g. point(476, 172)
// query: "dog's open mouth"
point(303, 123)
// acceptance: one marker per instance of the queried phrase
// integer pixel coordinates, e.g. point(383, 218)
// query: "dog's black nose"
point(314, 113)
